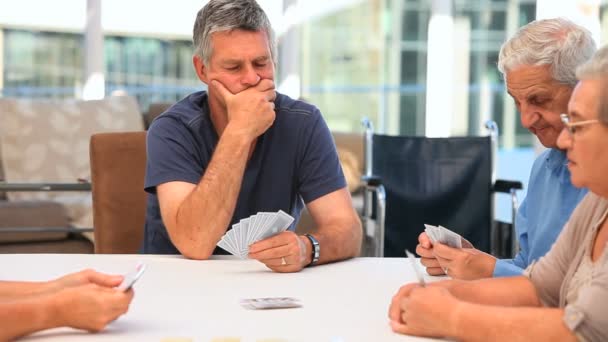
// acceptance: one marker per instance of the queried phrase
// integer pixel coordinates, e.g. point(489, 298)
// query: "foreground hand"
point(85, 277)
point(251, 111)
point(465, 263)
point(284, 252)
point(394, 311)
point(427, 311)
point(90, 307)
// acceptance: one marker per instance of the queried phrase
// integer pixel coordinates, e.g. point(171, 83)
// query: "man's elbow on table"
point(191, 247)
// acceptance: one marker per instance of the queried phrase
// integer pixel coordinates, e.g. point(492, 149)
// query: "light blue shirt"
point(547, 207)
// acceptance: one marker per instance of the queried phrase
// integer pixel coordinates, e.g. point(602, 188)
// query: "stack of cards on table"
point(270, 303)
point(443, 235)
point(254, 228)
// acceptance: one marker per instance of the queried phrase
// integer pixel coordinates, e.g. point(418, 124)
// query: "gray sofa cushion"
point(32, 214)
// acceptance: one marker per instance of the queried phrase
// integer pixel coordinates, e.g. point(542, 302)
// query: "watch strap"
point(316, 249)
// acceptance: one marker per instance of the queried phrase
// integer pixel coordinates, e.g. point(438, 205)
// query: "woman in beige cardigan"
point(564, 295)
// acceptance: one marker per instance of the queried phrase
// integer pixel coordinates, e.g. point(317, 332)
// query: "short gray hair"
point(594, 69)
point(559, 43)
point(228, 15)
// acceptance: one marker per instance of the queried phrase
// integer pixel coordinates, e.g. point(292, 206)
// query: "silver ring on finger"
point(283, 262)
point(446, 269)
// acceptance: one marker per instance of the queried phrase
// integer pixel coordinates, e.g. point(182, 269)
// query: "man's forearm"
point(507, 291)
point(339, 241)
point(202, 218)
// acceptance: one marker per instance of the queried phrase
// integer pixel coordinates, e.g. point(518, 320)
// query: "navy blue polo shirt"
point(294, 162)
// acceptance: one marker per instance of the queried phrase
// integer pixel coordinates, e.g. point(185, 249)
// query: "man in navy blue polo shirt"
point(240, 148)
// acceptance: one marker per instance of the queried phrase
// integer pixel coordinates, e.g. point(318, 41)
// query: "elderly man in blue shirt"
point(539, 64)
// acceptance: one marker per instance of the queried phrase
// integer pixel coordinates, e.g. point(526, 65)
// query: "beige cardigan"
point(587, 317)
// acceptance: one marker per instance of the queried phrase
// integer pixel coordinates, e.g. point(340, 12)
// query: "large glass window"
point(370, 59)
point(41, 64)
point(153, 70)
point(342, 64)
point(50, 64)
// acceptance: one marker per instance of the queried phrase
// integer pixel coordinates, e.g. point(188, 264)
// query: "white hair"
point(593, 69)
point(228, 15)
point(559, 43)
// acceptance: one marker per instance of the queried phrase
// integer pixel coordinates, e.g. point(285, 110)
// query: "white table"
point(345, 301)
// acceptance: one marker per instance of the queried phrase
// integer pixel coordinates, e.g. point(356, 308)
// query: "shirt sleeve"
point(516, 266)
point(170, 155)
point(587, 317)
point(319, 172)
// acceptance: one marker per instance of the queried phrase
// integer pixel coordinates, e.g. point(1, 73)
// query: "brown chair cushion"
point(118, 165)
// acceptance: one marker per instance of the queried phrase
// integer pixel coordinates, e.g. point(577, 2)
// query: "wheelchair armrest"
point(371, 180)
point(505, 186)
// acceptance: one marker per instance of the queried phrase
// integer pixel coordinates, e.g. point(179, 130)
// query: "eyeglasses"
point(572, 126)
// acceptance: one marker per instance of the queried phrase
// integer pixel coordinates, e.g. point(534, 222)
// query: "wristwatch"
point(316, 249)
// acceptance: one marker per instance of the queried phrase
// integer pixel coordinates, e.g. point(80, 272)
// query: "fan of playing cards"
point(443, 235)
point(254, 228)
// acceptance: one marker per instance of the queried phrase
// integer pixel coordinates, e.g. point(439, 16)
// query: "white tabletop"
point(345, 301)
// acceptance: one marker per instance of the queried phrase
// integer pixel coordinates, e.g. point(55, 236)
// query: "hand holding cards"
point(252, 229)
point(443, 235)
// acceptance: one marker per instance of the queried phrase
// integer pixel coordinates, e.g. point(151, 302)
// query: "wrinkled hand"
point(91, 307)
point(286, 246)
point(465, 263)
point(251, 111)
point(426, 311)
point(85, 277)
point(425, 250)
point(394, 311)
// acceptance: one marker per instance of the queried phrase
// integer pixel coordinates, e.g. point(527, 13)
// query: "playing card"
point(431, 232)
point(231, 237)
point(443, 235)
point(450, 238)
point(242, 235)
point(257, 227)
point(269, 303)
point(253, 225)
point(280, 223)
point(225, 246)
point(260, 223)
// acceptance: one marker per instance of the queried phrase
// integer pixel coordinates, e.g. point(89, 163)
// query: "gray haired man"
point(539, 64)
point(240, 148)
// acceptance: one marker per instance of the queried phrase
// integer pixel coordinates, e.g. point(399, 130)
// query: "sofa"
point(46, 141)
